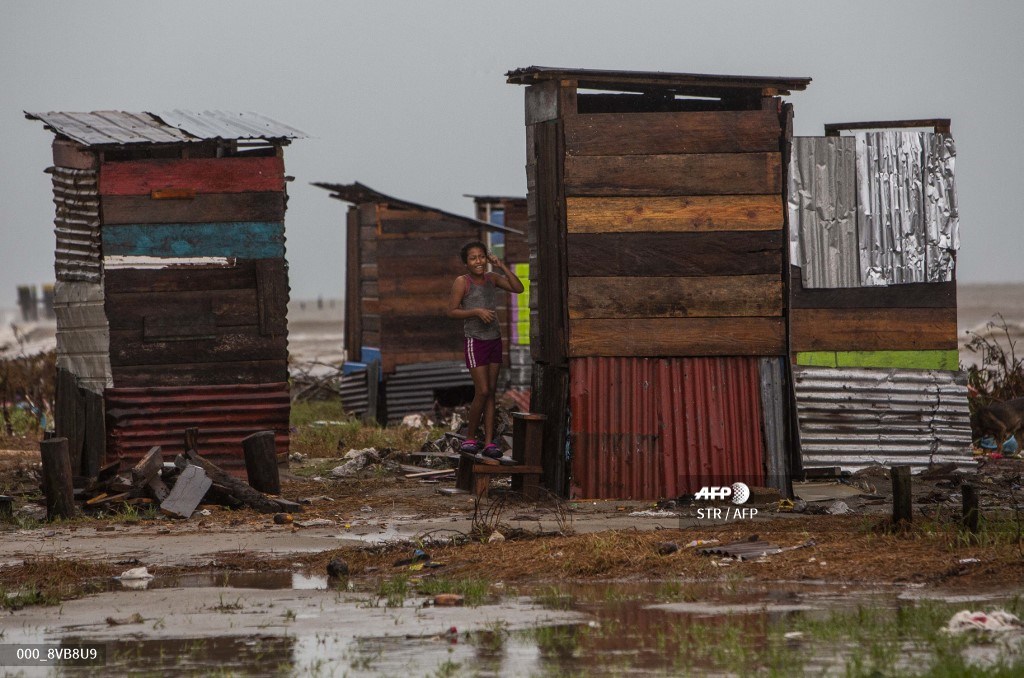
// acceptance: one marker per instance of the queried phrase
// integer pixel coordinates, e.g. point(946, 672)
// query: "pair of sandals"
point(471, 446)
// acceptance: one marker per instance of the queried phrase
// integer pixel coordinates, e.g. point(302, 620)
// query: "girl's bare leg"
point(492, 383)
point(481, 395)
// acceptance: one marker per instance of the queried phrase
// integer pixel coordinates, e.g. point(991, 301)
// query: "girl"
point(474, 299)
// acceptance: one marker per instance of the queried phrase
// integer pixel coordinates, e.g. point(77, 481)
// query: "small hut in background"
point(401, 260)
point(172, 285)
point(515, 250)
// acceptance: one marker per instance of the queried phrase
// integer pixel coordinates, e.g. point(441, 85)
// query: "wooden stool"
point(527, 435)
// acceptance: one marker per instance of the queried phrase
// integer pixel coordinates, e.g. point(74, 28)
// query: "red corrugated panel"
point(139, 418)
point(652, 428)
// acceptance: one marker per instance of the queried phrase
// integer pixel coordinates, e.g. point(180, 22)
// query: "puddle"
point(384, 535)
point(285, 623)
point(270, 580)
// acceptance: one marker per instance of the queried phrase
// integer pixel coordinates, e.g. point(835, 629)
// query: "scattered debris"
point(134, 619)
point(666, 548)
point(315, 522)
point(337, 568)
point(135, 578)
point(701, 542)
point(417, 421)
point(448, 600)
point(750, 548)
point(997, 621)
point(188, 491)
point(496, 537)
point(357, 460)
point(838, 508)
point(282, 518)
point(418, 556)
point(650, 513)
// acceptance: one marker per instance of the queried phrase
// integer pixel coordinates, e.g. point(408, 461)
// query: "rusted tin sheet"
point(855, 417)
point(76, 224)
point(228, 125)
point(890, 207)
point(116, 128)
point(650, 428)
point(941, 211)
point(139, 418)
point(83, 336)
point(823, 211)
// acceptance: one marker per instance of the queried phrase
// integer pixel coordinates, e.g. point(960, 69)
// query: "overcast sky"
point(410, 97)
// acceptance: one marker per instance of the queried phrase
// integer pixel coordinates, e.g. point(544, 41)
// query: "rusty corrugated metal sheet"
point(76, 224)
point(855, 417)
point(83, 334)
point(650, 428)
point(116, 128)
point(139, 418)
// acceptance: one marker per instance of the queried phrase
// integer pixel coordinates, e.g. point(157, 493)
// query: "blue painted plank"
point(242, 239)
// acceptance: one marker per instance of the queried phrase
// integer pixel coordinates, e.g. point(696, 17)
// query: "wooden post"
point(902, 507)
point(6, 508)
point(191, 439)
point(261, 462)
point(372, 392)
point(527, 444)
point(57, 486)
point(972, 509)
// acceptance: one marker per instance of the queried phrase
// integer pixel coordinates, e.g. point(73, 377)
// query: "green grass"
point(342, 433)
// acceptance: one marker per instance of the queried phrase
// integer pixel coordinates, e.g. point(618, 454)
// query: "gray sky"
point(410, 98)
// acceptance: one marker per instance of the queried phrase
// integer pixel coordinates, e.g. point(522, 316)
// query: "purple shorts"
point(481, 352)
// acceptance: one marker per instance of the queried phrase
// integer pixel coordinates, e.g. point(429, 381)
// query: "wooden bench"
point(527, 437)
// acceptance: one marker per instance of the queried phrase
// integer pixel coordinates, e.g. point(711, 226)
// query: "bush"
point(1000, 376)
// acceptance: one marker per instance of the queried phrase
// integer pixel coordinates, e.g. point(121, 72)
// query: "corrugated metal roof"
point(941, 210)
point(117, 128)
point(681, 83)
point(139, 418)
point(651, 428)
point(823, 211)
point(855, 417)
point(229, 125)
point(357, 193)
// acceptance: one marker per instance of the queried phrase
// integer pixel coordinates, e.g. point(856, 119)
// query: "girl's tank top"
point(479, 295)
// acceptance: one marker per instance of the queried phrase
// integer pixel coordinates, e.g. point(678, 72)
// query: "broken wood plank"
point(189, 489)
point(261, 462)
point(60, 493)
point(148, 467)
point(238, 489)
point(158, 489)
point(434, 473)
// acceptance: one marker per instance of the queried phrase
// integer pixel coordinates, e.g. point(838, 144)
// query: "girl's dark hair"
point(468, 246)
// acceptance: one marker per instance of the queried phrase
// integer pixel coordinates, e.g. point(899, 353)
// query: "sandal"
point(469, 445)
point(492, 451)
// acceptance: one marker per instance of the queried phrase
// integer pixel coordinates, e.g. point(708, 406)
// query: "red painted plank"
point(206, 175)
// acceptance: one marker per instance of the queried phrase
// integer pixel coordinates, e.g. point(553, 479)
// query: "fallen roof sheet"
point(642, 81)
point(116, 128)
point(357, 193)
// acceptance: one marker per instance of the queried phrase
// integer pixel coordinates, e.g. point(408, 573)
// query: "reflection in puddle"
point(273, 579)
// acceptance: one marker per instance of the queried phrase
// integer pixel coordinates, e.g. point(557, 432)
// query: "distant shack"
point(401, 261)
point(172, 285)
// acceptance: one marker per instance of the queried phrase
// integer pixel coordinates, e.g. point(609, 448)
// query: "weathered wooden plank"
point(242, 275)
point(541, 102)
point(353, 289)
point(675, 254)
point(394, 357)
point(272, 296)
point(230, 344)
point(148, 467)
point(180, 328)
point(56, 479)
point(907, 329)
point(189, 489)
point(71, 154)
point(551, 287)
point(696, 213)
point(201, 208)
point(435, 306)
point(203, 374)
point(663, 133)
point(208, 175)
point(703, 174)
point(228, 308)
point(446, 248)
point(414, 283)
point(450, 265)
point(914, 295)
point(676, 337)
point(242, 239)
point(642, 297)
point(433, 330)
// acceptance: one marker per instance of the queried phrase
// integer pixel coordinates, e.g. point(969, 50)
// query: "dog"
point(1001, 420)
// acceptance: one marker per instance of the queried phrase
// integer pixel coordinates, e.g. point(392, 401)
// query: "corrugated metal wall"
point(83, 336)
point(77, 224)
point(650, 428)
point(143, 417)
point(854, 417)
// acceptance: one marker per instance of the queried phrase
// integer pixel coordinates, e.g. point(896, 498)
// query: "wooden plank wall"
point(911, 317)
point(411, 259)
point(674, 225)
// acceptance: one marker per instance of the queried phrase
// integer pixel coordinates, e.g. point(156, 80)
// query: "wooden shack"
point(658, 206)
point(401, 261)
point(172, 285)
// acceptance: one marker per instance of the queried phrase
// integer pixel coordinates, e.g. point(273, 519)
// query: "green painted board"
point(914, 360)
